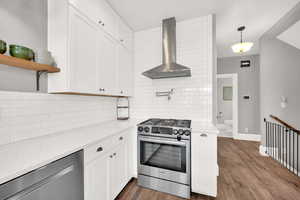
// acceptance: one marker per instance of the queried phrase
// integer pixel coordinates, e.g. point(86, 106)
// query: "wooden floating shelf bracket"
point(29, 65)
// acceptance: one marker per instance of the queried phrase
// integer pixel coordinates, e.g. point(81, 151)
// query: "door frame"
point(235, 102)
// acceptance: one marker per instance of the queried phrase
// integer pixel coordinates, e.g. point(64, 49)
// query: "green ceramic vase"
point(21, 52)
point(2, 47)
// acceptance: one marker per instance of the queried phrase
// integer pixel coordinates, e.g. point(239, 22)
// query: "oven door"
point(164, 158)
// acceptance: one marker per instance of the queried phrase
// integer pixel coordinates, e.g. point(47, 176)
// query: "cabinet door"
point(96, 179)
point(125, 35)
point(204, 163)
point(83, 53)
point(107, 68)
point(118, 169)
point(108, 18)
point(99, 12)
point(125, 72)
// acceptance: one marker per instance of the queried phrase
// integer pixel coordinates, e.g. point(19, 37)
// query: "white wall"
point(28, 115)
point(193, 96)
point(23, 23)
point(279, 76)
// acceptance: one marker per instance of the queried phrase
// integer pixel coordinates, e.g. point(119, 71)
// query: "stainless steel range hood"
point(169, 68)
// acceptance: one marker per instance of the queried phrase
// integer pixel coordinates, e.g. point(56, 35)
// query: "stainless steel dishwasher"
point(59, 180)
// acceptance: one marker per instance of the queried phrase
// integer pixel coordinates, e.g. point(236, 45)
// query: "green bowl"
point(2, 47)
point(21, 52)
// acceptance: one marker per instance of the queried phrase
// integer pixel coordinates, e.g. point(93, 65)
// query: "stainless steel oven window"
point(170, 156)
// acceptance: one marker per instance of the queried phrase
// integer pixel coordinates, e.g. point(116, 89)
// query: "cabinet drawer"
point(101, 148)
point(98, 149)
point(118, 139)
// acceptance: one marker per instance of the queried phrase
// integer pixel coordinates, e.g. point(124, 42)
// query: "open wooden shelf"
point(25, 64)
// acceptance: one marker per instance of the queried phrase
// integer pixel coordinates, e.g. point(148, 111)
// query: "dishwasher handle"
point(41, 183)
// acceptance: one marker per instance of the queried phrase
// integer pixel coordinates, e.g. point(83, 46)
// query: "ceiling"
point(291, 35)
point(257, 15)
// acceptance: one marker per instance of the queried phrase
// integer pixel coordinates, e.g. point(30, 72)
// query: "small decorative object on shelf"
point(3, 47)
point(21, 52)
point(123, 108)
point(44, 57)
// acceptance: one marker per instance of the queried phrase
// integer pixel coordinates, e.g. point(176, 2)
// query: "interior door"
point(125, 71)
point(107, 65)
point(83, 53)
point(96, 179)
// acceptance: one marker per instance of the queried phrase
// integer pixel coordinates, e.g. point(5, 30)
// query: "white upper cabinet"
point(107, 68)
point(85, 38)
point(125, 35)
point(125, 71)
point(99, 12)
point(83, 54)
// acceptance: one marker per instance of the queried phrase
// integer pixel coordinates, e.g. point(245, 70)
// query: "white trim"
point(262, 150)
point(235, 103)
point(249, 137)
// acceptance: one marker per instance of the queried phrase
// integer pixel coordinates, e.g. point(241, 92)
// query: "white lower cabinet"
point(106, 174)
point(97, 179)
point(204, 163)
point(117, 170)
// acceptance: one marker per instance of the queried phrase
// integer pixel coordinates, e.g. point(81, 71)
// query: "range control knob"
point(146, 129)
point(180, 131)
point(140, 129)
point(187, 132)
point(175, 131)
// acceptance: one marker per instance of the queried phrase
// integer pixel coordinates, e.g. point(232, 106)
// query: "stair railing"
point(282, 143)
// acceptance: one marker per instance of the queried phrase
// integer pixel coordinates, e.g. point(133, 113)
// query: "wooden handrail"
point(285, 124)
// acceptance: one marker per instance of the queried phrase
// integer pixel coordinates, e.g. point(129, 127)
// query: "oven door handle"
point(163, 141)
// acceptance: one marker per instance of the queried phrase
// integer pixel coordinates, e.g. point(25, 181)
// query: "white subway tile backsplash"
point(28, 115)
point(192, 98)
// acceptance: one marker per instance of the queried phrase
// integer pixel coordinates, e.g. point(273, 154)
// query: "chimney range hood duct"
point(169, 68)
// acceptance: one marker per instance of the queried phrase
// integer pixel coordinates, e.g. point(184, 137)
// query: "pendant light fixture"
point(242, 46)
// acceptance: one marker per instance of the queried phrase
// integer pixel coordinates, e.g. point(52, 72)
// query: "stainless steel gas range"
point(164, 156)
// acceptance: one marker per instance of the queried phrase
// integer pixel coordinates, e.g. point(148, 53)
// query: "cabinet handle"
point(110, 156)
point(100, 22)
point(121, 138)
point(203, 135)
point(121, 40)
point(99, 149)
point(103, 24)
point(115, 154)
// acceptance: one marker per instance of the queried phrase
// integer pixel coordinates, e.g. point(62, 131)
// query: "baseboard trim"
point(263, 150)
point(249, 137)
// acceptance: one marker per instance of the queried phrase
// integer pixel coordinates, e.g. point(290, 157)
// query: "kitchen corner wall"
point(193, 96)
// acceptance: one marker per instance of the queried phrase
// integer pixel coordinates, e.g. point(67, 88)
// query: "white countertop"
point(24, 156)
point(200, 126)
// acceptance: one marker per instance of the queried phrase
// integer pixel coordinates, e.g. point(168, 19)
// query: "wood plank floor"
point(244, 175)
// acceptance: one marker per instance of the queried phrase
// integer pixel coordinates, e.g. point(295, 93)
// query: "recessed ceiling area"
point(291, 35)
point(257, 15)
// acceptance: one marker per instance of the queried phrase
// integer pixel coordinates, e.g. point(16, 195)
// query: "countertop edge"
point(110, 128)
